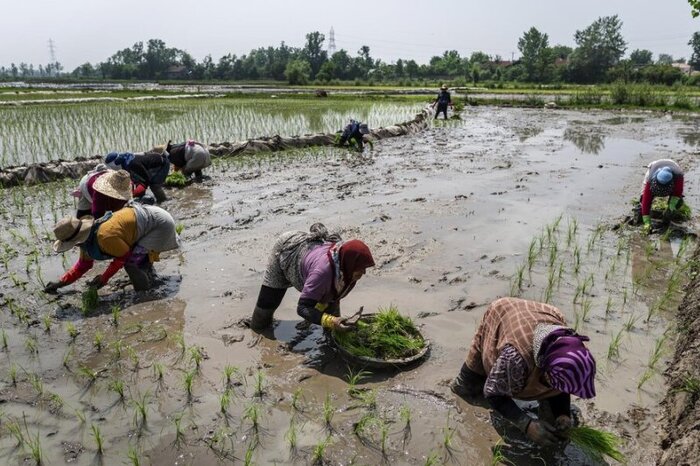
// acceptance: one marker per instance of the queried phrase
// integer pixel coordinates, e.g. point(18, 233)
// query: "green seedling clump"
point(596, 443)
point(385, 335)
point(90, 299)
point(176, 180)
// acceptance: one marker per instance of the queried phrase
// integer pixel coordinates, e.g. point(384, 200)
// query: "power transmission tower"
point(331, 42)
point(52, 51)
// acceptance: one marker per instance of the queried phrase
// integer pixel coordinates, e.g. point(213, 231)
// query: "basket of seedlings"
point(176, 180)
point(385, 339)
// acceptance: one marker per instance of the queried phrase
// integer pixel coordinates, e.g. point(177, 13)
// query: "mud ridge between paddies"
point(59, 169)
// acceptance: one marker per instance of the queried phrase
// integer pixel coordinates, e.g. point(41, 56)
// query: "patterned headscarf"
point(117, 161)
point(570, 366)
point(661, 184)
point(348, 257)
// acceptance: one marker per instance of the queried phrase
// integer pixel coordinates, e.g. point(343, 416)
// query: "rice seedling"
point(517, 286)
point(133, 357)
point(80, 416)
point(433, 459)
point(117, 386)
point(179, 339)
point(369, 399)
point(133, 456)
point(33, 443)
point(98, 340)
point(614, 347)
point(225, 401)
point(89, 374)
point(249, 452)
point(630, 322)
point(55, 402)
point(532, 253)
point(72, 331)
point(577, 260)
point(553, 254)
point(328, 411)
point(586, 309)
point(196, 356)
point(158, 371)
point(608, 306)
point(596, 443)
point(15, 430)
point(228, 372)
point(354, 378)
point(296, 398)
point(368, 419)
point(291, 435)
point(116, 312)
point(176, 180)
point(259, 384)
point(549, 291)
point(140, 410)
point(383, 437)
point(188, 382)
point(117, 349)
point(47, 321)
point(646, 375)
point(31, 345)
point(179, 433)
point(4, 339)
point(447, 435)
point(179, 228)
point(657, 352)
point(89, 300)
point(498, 458)
point(99, 441)
point(252, 414)
point(319, 450)
point(690, 385)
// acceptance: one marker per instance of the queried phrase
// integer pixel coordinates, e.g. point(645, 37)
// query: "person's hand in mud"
point(52, 287)
point(96, 283)
point(542, 433)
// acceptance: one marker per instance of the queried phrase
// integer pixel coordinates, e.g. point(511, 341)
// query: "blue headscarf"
point(117, 161)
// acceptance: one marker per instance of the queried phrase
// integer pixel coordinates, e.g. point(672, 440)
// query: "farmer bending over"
point(189, 157)
point(322, 266)
point(147, 170)
point(524, 350)
point(352, 134)
point(443, 100)
point(663, 178)
point(102, 190)
point(132, 238)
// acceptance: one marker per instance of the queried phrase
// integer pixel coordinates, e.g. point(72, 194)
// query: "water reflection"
point(527, 132)
point(587, 141)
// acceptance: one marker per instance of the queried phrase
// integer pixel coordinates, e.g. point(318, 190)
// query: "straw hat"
point(444, 87)
point(115, 184)
point(71, 231)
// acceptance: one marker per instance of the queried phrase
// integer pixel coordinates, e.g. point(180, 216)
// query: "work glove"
point(542, 433)
point(96, 282)
point(673, 203)
point(334, 323)
point(646, 229)
point(52, 287)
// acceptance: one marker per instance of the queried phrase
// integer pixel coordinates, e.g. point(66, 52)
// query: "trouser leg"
point(159, 193)
point(269, 300)
point(468, 383)
point(140, 277)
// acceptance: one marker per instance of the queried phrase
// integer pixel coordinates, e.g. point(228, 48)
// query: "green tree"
point(695, 7)
point(695, 57)
point(600, 47)
point(298, 72)
point(313, 51)
point(537, 57)
point(561, 52)
point(664, 59)
point(641, 57)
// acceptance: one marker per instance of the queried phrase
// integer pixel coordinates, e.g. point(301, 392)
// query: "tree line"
point(596, 58)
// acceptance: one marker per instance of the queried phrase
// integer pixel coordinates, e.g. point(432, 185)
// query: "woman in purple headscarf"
point(524, 350)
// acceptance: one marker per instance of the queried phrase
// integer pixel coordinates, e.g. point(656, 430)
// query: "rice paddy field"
point(38, 133)
point(505, 202)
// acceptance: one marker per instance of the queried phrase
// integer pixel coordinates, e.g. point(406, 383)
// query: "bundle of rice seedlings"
point(89, 300)
point(176, 180)
point(596, 443)
point(385, 335)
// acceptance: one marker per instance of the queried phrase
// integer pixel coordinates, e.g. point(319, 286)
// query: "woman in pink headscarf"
point(524, 350)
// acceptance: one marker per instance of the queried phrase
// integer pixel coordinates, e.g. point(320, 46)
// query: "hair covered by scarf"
point(117, 161)
point(570, 366)
point(348, 257)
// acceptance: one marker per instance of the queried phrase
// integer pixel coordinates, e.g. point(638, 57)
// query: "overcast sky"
point(92, 30)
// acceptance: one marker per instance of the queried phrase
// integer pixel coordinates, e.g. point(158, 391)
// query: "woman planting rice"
point(322, 266)
point(524, 350)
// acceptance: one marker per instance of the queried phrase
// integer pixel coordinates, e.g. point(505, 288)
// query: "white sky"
point(92, 30)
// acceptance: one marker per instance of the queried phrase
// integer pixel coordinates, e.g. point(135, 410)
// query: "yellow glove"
point(334, 323)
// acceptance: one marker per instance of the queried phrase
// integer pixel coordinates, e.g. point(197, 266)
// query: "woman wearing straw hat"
point(101, 191)
point(524, 350)
point(443, 100)
point(132, 238)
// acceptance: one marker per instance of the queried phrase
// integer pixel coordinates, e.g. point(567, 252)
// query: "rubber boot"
point(140, 278)
point(468, 384)
point(262, 318)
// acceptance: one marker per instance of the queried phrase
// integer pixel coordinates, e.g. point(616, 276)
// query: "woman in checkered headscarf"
point(524, 350)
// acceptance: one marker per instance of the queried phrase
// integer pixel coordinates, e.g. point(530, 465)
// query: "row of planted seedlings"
point(83, 374)
point(611, 281)
point(40, 133)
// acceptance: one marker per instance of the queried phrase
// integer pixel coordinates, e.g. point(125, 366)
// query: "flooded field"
point(504, 202)
point(65, 131)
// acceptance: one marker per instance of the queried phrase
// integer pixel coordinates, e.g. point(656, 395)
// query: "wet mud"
point(451, 213)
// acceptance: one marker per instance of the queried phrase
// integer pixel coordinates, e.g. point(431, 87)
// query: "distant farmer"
point(524, 350)
point(190, 157)
point(663, 178)
point(319, 265)
point(102, 190)
point(147, 170)
point(443, 100)
point(352, 134)
point(132, 238)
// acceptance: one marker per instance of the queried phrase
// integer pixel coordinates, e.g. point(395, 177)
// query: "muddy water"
point(449, 214)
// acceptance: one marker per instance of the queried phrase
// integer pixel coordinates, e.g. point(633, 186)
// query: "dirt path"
point(449, 214)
